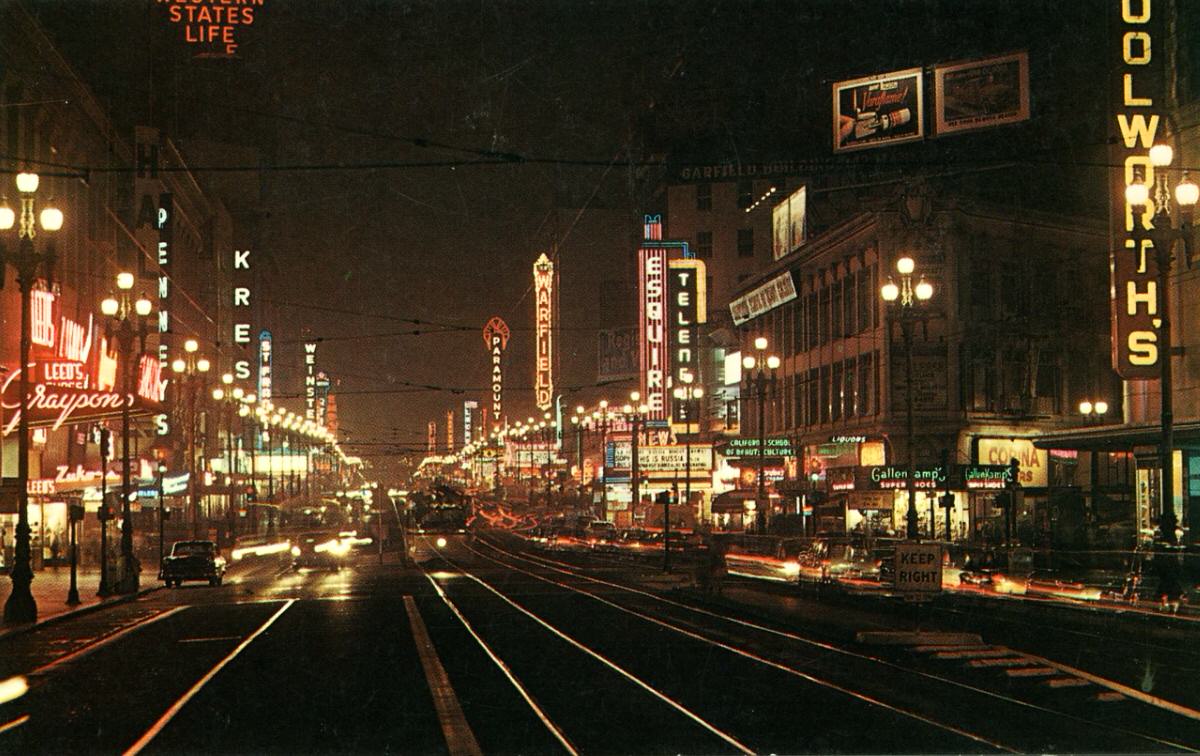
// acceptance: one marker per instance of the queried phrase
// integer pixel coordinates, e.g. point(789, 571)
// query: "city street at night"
point(607, 377)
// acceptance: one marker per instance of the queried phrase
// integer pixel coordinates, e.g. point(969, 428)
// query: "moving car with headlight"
point(192, 560)
point(321, 551)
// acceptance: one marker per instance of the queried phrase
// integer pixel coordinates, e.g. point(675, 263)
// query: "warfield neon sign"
point(543, 286)
point(495, 337)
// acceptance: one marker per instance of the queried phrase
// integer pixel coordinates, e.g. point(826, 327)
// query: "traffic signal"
point(105, 443)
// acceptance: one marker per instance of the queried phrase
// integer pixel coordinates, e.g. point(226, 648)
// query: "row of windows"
point(846, 307)
point(745, 195)
point(745, 243)
point(827, 394)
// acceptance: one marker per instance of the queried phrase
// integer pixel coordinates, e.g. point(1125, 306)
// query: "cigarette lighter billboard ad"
point(878, 111)
point(981, 93)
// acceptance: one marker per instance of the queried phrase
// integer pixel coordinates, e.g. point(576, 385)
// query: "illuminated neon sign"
point(310, 381)
point(495, 337)
point(689, 308)
point(241, 311)
point(543, 287)
point(211, 25)
point(53, 406)
point(264, 365)
point(652, 317)
point(1134, 286)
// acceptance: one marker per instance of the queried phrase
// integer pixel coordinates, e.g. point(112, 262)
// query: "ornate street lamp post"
point(635, 413)
point(191, 370)
point(760, 383)
point(1163, 235)
point(906, 304)
point(690, 396)
point(20, 606)
point(127, 319)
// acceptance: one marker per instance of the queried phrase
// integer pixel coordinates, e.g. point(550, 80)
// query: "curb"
point(7, 633)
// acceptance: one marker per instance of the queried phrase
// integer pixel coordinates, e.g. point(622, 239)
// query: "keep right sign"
point(919, 568)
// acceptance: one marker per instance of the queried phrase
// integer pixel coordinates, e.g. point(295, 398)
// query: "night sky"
point(533, 110)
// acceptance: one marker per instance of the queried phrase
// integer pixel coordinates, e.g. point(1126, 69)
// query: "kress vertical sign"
point(1137, 82)
point(687, 294)
point(241, 312)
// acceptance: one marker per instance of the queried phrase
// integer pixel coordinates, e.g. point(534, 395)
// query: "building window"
point(865, 299)
point(823, 393)
point(798, 385)
point(848, 326)
point(745, 242)
point(864, 385)
point(835, 293)
point(745, 194)
point(814, 320)
point(703, 244)
point(836, 397)
point(704, 196)
point(813, 416)
point(824, 308)
point(798, 333)
point(848, 386)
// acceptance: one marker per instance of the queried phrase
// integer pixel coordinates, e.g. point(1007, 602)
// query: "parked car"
point(192, 560)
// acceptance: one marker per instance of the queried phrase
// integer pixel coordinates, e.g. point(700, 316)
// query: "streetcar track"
point(572, 571)
point(686, 712)
point(103, 640)
point(863, 697)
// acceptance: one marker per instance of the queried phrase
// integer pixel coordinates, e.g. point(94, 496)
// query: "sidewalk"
point(50, 588)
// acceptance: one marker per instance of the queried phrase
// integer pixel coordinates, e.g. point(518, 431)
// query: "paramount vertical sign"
point(1135, 90)
point(543, 288)
point(495, 338)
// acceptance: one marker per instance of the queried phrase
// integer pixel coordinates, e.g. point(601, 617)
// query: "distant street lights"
point(1163, 235)
point(906, 304)
point(635, 412)
point(127, 319)
point(760, 383)
point(28, 260)
point(191, 371)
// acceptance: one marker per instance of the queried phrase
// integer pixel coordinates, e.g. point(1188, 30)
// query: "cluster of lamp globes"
point(1137, 194)
point(51, 217)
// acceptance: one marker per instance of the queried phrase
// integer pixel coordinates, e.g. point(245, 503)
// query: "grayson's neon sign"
point(54, 406)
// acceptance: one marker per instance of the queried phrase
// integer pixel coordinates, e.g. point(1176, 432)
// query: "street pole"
point(604, 463)
point(105, 440)
point(760, 383)
point(73, 526)
point(633, 465)
point(162, 511)
point(21, 606)
point(1168, 520)
point(911, 515)
point(129, 564)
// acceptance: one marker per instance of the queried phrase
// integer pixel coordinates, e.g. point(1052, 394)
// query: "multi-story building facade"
point(1013, 337)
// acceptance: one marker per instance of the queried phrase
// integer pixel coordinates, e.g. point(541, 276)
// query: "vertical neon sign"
point(310, 381)
point(652, 326)
point(495, 338)
point(264, 365)
point(543, 287)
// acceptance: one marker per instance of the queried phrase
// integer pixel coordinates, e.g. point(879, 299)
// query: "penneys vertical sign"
point(1137, 82)
point(495, 337)
point(652, 319)
point(543, 288)
point(153, 230)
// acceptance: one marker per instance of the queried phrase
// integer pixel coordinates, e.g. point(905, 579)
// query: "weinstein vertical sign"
point(543, 289)
point(495, 338)
point(310, 381)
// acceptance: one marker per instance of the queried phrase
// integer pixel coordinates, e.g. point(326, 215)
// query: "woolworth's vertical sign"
point(1135, 92)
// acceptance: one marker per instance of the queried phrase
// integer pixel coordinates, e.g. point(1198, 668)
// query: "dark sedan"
point(193, 560)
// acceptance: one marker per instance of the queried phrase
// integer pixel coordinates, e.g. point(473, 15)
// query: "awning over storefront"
point(1119, 437)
